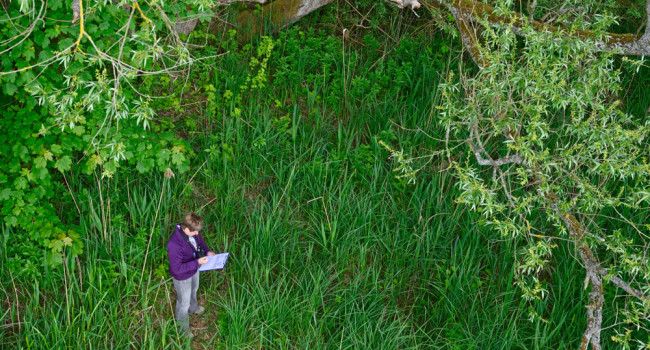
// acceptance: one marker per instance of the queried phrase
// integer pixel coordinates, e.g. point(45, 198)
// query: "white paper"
point(215, 262)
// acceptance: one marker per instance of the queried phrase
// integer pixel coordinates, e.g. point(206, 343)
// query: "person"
point(186, 251)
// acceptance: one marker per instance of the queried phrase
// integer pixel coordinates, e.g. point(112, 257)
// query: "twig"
point(192, 178)
point(71, 194)
point(206, 204)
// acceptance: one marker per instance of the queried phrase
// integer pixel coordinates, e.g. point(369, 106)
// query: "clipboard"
point(216, 262)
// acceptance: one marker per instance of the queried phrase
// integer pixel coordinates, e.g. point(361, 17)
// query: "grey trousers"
point(186, 302)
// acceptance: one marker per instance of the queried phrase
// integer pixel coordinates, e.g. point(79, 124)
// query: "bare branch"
point(624, 285)
point(413, 4)
point(594, 272)
point(592, 267)
point(76, 11)
point(477, 148)
point(516, 159)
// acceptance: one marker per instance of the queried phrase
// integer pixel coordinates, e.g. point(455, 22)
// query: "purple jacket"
point(182, 264)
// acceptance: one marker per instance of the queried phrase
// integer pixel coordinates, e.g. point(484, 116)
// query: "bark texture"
point(591, 335)
point(280, 13)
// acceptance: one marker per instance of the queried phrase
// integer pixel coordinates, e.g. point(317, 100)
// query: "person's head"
point(192, 224)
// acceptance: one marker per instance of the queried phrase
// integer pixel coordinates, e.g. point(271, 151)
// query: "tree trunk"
point(279, 13)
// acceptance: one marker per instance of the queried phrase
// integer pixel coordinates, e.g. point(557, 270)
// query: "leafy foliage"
point(546, 123)
point(73, 102)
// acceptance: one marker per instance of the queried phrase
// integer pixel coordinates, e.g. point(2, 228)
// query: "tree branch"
point(477, 148)
point(516, 159)
point(469, 39)
point(471, 10)
point(591, 334)
point(624, 285)
point(76, 11)
point(413, 4)
point(594, 272)
point(280, 12)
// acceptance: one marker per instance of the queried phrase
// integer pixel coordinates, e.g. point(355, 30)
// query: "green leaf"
point(21, 151)
point(77, 247)
point(183, 168)
point(78, 130)
point(29, 53)
point(20, 183)
point(54, 4)
point(27, 173)
point(56, 245)
point(40, 162)
point(39, 39)
point(47, 155)
point(178, 159)
point(56, 149)
point(141, 168)
point(51, 32)
point(104, 25)
point(45, 54)
point(11, 221)
point(65, 43)
point(42, 173)
point(72, 234)
point(5, 194)
point(53, 259)
point(96, 159)
point(162, 158)
point(63, 163)
point(26, 77)
point(10, 89)
point(145, 165)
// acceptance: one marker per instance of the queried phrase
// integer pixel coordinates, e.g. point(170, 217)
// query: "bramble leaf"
point(40, 162)
point(53, 259)
point(63, 163)
point(56, 245)
point(10, 89)
point(47, 155)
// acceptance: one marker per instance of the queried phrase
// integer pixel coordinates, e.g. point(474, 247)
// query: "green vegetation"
point(309, 156)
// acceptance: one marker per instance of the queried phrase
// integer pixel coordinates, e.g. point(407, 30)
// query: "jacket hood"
point(178, 235)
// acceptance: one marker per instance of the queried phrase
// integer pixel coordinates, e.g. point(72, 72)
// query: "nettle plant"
point(542, 149)
point(72, 74)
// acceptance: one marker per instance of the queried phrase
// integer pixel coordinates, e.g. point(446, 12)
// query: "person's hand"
point(211, 254)
point(202, 260)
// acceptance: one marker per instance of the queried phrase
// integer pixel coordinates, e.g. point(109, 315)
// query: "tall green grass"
point(328, 249)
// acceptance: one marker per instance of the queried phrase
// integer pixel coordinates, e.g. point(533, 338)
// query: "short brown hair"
point(192, 221)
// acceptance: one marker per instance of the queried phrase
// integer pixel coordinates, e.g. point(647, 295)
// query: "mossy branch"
point(472, 11)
